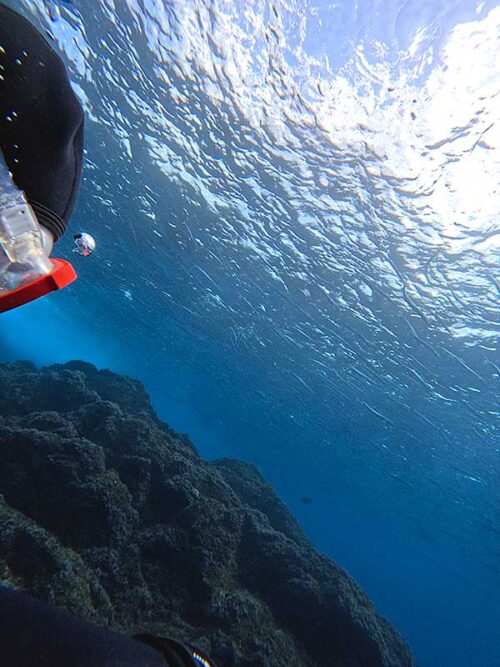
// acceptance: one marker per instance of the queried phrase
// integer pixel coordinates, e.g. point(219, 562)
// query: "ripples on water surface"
point(297, 208)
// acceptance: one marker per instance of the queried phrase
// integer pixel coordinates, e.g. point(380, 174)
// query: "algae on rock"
point(109, 513)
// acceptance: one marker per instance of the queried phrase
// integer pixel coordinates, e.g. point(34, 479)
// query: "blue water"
point(296, 208)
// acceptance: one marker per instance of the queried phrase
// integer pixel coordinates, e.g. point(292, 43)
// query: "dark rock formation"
point(109, 513)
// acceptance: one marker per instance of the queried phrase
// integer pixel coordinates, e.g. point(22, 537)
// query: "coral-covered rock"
point(109, 513)
point(255, 492)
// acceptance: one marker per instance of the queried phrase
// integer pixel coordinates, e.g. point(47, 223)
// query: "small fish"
point(306, 500)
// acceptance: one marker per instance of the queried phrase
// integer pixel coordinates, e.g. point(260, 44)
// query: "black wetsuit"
point(34, 634)
point(41, 137)
point(41, 122)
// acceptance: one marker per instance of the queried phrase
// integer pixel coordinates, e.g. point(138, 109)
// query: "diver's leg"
point(34, 634)
point(41, 122)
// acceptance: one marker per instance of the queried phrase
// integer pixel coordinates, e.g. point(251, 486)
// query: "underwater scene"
point(264, 419)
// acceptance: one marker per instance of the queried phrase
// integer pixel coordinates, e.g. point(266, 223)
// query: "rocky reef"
point(107, 512)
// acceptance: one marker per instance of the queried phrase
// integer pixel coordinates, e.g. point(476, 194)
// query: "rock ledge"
point(105, 511)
